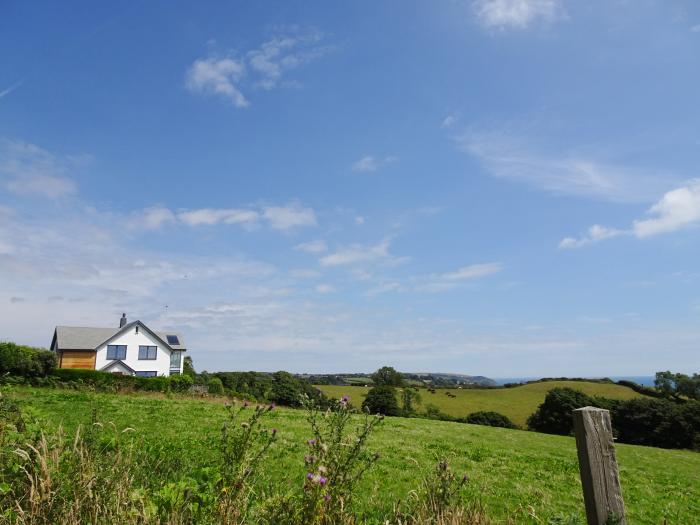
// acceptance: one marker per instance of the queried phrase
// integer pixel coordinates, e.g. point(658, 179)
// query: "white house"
point(131, 349)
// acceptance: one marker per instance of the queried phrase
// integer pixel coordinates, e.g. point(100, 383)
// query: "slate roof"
point(89, 338)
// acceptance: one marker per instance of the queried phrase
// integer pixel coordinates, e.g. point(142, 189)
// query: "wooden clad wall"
point(75, 359)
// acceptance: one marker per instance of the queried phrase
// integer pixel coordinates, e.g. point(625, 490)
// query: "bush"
point(180, 383)
point(490, 419)
point(291, 391)
point(381, 400)
point(26, 361)
point(215, 386)
point(554, 415)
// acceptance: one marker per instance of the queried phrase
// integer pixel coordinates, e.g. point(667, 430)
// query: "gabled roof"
point(118, 362)
point(89, 338)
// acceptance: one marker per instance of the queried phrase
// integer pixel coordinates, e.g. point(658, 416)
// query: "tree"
point(491, 419)
point(387, 375)
point(188, 367)
point(554, 415)
point(381, 400)
point(678, 385)
point(409, 397)
point(215, 386)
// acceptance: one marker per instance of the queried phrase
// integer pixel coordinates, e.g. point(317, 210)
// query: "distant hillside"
point(517, 402)
point(431, 379)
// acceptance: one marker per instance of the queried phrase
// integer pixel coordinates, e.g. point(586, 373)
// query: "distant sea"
point(641, 380)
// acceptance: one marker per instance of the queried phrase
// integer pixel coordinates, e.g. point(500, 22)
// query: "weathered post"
point(599, 476)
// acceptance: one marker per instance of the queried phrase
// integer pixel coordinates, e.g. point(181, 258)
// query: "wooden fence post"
point(599, 476)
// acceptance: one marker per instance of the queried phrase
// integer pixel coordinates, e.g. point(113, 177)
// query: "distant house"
point(131, 349)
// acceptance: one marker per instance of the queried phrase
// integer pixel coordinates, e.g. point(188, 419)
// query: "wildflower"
point(465, 478)
point(309, 459)
point(312, 442)
point(309, 475)
point(274, 431)
point(272, 406)
point(327, 497)
point(344, 401)
point(245, 404)
point(322, 480)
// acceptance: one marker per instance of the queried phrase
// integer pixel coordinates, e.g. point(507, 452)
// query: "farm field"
point(530, 477)
point(517, 403)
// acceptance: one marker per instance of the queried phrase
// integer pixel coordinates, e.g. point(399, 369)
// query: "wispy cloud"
point(370, 163)
point(450, 280)
point(227, 75)
point(449, 121)
point(325, 288)
point(676, 210)
point(293, 215)
point(27, 169)
point(218, 76)
point(359, 253)
point(10, 89)
point(318, 246)
point(283, 217)
point(595, 233)
point(562, 173)
point(502, 14)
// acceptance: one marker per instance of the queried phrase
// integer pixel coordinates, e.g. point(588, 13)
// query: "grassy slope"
point(517, 403)
point(512, 471)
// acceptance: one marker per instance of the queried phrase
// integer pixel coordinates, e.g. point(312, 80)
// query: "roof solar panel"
point(173, 340)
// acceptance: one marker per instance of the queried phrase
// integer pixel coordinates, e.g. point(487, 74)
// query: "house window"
point(175, 358)
point(147, 374)
point(147, 352)
point(116, 351)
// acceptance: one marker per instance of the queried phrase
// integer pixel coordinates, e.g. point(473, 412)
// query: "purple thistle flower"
point(312, 442)
point(309, 475)
point(272, 406)
point(245, 404)
point(322, 480)
point(327, 497)
point(274, 431)
point(465, 478)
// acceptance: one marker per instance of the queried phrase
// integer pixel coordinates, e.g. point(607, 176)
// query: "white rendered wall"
point(132, 340)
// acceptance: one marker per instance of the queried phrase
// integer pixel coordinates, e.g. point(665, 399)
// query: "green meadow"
point(517, 403)
point(524, 476)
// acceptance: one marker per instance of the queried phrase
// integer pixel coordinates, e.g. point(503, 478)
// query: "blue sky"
point(498, 187)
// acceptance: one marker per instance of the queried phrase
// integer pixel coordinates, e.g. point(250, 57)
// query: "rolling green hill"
point(530, 477)
point(517, 403)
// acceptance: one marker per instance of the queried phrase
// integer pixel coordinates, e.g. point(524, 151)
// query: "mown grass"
point(517, 403)
point(525, 476)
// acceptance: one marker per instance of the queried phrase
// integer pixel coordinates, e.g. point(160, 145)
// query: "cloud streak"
point(518, 14)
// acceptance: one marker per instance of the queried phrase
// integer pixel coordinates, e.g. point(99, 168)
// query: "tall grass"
point(102, 474)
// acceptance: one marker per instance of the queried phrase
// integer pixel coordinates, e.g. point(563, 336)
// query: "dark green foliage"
point(387, 376)
point(180, 383)
point(410, 397)
point(381, 400)
point(658, 423)
point(255, 384)
point(215, 386)
point(554, 415)
point(26, 361)
point(291, 391)
point(188, 367)
point(106, 382)
point(490, 419)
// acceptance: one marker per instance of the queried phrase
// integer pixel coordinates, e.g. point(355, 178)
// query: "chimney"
point(122, 321)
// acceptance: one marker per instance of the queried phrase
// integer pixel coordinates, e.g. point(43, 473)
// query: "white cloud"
point(325, 288)
point(370, 163)
point(284, 53)
point(26, 169)
point(677, 209)
point(695, 28)
point(293, 215)
point(152, 218)
point(10, 89)
point(312, 247)
point(359, 220)
point(210, 217)
point(218, 76)
point(562, 173)
point(449, 121)
point(515, 13)
point(473, 271)
point(264, 67)
point(358, 253)
point(596, 233)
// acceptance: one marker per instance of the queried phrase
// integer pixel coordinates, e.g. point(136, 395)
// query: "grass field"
point(528, 476)
point(517, 403)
